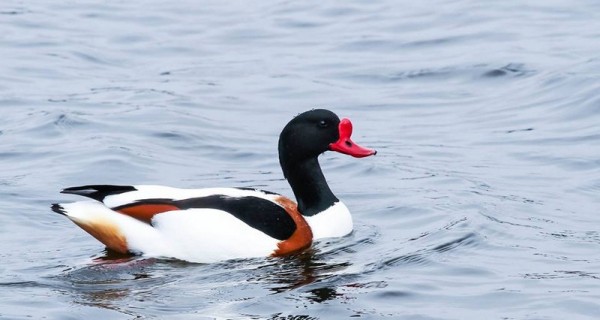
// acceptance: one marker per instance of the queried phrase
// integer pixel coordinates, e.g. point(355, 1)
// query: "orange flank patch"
point(106, 232)
point(301, 238)
point(145, 212)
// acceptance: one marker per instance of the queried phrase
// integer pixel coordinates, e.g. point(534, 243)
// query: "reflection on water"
point(115, 276)
point(107, 283)
point(112, 280)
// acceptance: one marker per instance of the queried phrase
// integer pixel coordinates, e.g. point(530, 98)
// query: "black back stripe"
point(98, 192)
point(258, 213)
point(258, 190)
point(261, 214)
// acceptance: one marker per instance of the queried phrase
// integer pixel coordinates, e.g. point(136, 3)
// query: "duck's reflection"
point(323, 294)
point(116, 281)
point(305, 269)
point(111, 277)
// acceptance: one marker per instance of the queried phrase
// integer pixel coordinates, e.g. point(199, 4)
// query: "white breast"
point(335, 221)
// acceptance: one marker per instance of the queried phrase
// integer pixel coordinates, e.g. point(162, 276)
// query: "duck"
point(216, 224)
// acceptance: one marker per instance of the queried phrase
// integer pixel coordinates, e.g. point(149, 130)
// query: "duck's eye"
point(323, 124)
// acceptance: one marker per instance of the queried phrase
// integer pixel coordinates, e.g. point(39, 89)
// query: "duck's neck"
point(309, 185)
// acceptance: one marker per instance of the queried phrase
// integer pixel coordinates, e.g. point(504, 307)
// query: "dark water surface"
point(482, 203)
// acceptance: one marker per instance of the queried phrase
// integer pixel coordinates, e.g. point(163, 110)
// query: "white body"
point(196, 235)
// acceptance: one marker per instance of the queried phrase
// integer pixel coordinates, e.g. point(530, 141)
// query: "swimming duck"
point(215, 224)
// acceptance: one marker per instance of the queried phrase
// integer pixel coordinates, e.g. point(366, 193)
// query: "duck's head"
point(313, 132)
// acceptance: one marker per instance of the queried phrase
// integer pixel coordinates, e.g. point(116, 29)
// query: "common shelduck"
point(214, 224)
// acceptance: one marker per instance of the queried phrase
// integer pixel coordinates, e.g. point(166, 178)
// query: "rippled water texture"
point(482, 203)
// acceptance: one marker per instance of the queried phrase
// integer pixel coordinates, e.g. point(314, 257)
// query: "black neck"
point(309, 185)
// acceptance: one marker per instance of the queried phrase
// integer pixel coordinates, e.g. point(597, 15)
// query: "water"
point(482, 202)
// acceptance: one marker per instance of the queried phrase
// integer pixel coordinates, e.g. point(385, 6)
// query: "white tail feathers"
point(117, 231)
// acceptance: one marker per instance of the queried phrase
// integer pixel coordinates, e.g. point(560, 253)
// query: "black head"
point(302, 140)
point(313, 132)
point(309, 134)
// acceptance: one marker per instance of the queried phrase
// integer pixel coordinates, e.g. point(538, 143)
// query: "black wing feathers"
point(256, 212)
point(263, 215)
point(98, 192)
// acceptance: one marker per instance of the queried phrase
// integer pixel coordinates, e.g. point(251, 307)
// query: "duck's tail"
point(113, 229)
